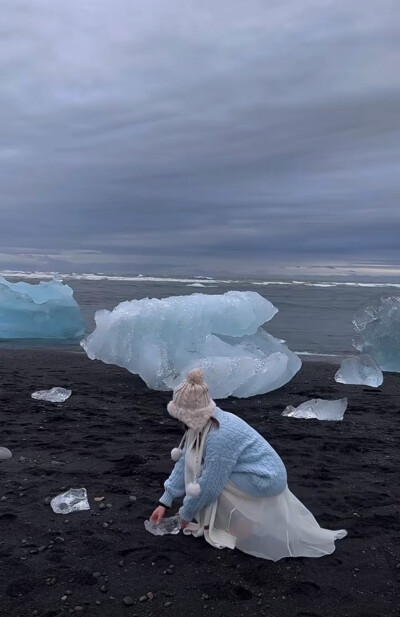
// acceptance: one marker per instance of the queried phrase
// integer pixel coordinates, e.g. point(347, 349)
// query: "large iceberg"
point(46, 310)
point(161, 340)
point(359, 370)
point(378, 332)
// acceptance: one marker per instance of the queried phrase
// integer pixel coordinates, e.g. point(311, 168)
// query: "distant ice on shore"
point(318, 409)
point(378, 332)
point(359, 370)
point(161, 340)
point(47, 310)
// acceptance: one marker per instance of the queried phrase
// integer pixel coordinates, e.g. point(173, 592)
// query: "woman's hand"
point(158, 515)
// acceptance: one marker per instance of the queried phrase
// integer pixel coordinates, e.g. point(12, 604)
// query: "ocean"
point(315, 317)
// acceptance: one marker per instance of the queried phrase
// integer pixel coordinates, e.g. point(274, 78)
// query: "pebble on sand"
point(5, 454)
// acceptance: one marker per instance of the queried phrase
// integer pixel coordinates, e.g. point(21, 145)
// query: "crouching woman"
point(234, 484)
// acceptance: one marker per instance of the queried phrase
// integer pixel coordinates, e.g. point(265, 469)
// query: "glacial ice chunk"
point(54, 395)
point(72, 501)
point(319, 409)
point(5, 454)
point(46, 310)
point(378, 332)
point(171, 525)
point(162, 340)
point(359, 370)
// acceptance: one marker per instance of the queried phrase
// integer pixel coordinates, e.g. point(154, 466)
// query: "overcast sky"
point(187, 136)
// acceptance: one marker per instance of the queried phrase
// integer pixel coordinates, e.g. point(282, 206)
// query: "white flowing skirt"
point(268, 527)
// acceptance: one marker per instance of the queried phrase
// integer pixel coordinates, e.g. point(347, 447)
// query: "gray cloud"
point(186, 136)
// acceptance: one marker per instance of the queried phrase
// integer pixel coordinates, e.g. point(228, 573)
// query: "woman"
point(235, 484)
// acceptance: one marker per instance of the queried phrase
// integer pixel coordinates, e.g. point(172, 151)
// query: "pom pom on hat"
point(195, 377)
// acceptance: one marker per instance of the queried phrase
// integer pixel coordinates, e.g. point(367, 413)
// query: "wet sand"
point(114, 437)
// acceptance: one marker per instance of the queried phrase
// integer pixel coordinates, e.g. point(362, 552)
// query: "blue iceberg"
point(47, 310)
point(378, 332)
point(161, 340)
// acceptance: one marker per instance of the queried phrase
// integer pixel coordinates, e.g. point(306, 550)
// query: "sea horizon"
point(314, 280)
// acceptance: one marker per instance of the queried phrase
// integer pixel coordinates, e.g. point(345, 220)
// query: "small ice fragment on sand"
point(5, 454)
point(167, 526)
point(360, 370)
point(319, 409)
point(72, 501)
point(55, 395)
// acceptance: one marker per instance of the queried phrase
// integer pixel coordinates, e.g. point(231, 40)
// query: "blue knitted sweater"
point(233, 451)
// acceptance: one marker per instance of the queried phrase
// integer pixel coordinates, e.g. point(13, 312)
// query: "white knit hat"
point(191, 403)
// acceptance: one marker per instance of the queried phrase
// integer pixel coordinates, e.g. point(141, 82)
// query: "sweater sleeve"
point(215, 475)
point(175, 485)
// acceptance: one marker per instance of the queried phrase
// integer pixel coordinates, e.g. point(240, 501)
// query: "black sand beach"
point(114, 437)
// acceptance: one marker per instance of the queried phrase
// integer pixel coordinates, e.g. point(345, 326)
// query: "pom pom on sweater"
point(176, 454)
point(193, 489)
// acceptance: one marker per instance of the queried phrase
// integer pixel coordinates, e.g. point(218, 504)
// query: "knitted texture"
point(236, 452)
point(192, 403)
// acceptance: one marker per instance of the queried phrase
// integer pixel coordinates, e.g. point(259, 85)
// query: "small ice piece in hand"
point(55, 395)
point(5, 454)
point(167, 526)
point(72, 501)
point(360, 370)
point(319, 409)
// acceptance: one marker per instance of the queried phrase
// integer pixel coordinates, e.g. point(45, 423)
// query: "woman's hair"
point(213, 420)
